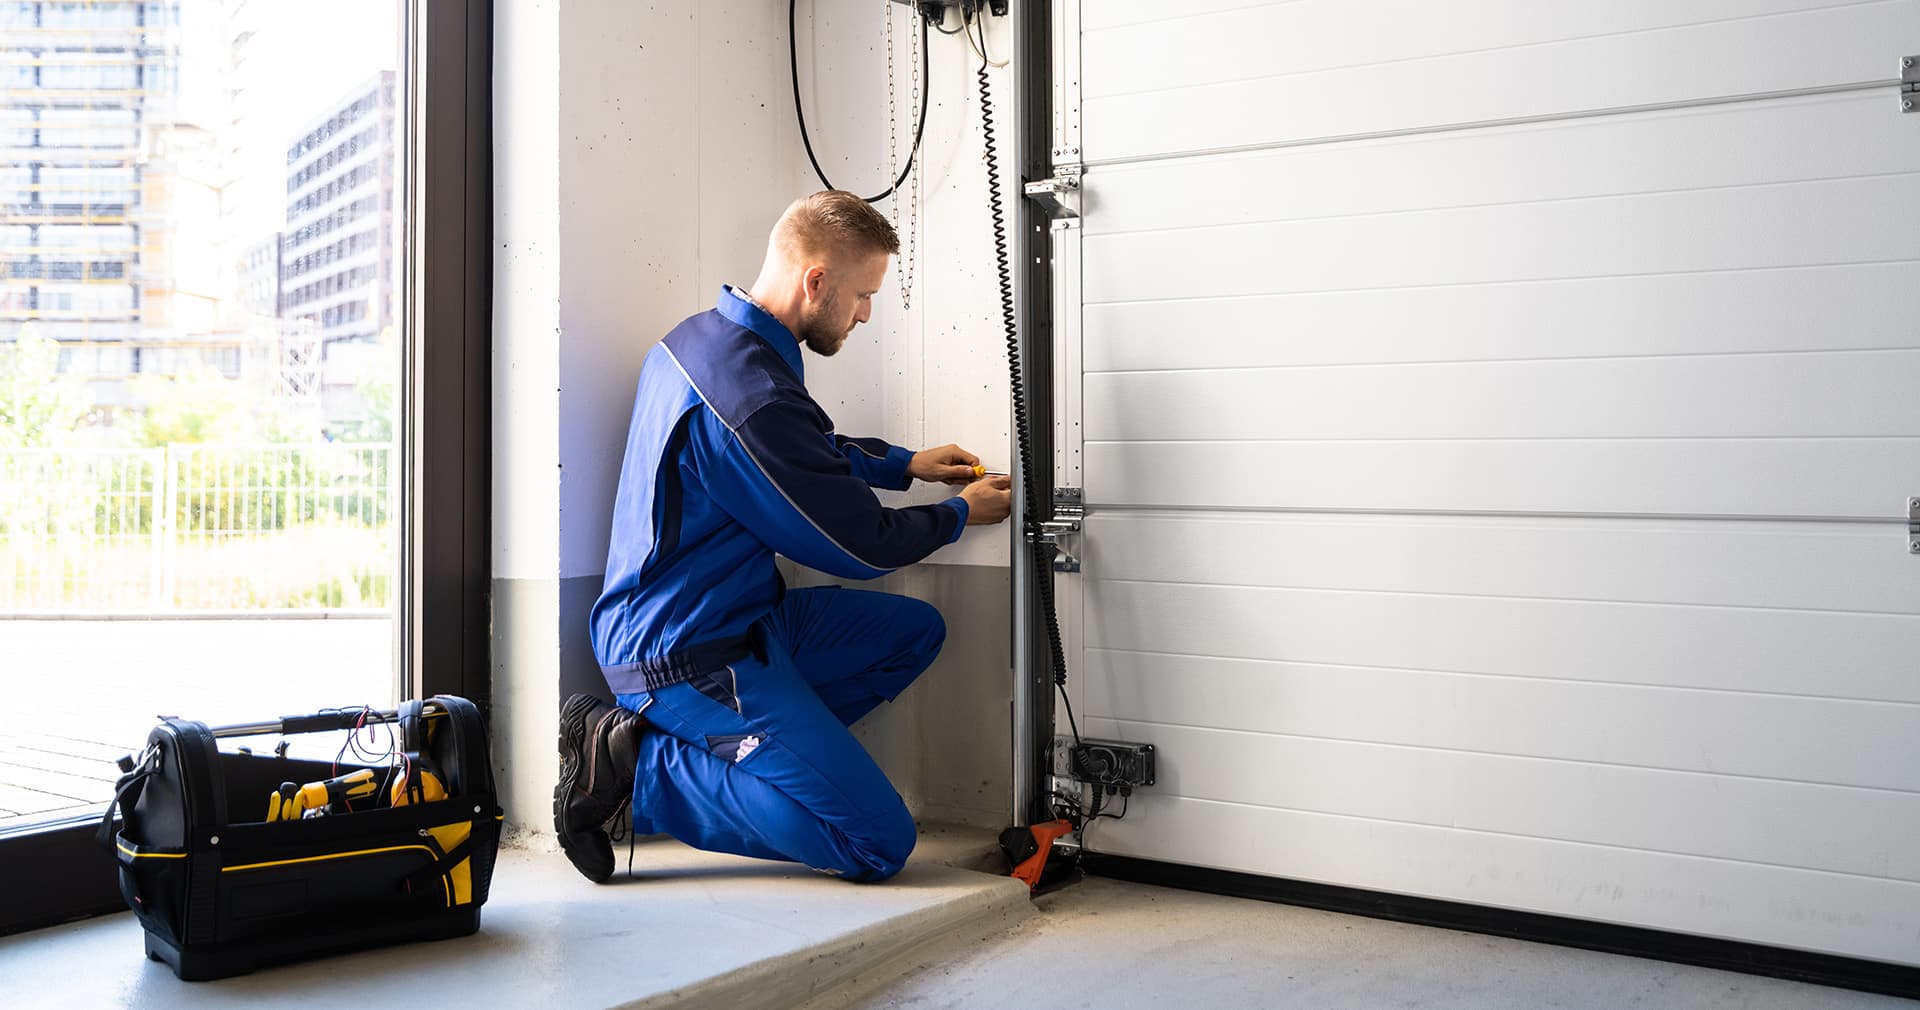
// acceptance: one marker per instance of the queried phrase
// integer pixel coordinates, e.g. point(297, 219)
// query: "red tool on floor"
point(1028, 850)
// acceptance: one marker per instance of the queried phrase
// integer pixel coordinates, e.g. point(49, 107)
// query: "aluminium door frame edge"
point(1033, 86)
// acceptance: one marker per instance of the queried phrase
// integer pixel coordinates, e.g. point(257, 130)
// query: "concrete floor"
point(694, 930)
point(687, 930)
point(1112, 945)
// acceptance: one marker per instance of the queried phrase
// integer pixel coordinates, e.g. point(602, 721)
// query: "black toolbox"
point(221, 890)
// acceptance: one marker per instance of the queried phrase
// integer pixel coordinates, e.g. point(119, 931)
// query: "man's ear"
point(813, 282)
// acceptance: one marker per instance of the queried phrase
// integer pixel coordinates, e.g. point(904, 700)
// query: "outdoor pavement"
point(80, 693)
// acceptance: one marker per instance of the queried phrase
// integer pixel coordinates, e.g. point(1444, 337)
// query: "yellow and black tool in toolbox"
point(232, 860)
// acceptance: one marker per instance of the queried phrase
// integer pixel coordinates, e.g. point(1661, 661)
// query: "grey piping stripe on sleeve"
point(856, 445)
point(763, 470)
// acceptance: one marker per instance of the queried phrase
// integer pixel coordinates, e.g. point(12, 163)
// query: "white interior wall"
point(925, 371)
point(674, 157)
point(526, 296)
point(642, 152)
point(525, 376)
point(934, 370)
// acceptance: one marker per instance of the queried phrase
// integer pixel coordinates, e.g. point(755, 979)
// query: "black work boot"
point(599, 747)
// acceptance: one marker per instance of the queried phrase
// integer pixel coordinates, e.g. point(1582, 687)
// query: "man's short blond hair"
point(833, 223)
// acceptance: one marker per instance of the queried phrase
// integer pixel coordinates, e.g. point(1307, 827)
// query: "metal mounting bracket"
point(1068, 512)
point(1913, 525)
point(1059, 194)
point(1910, 84)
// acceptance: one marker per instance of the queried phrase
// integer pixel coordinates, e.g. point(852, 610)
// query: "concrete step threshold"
point(687, 930)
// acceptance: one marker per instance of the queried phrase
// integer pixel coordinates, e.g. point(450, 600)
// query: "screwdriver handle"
point(352, 786)
point(281, 803)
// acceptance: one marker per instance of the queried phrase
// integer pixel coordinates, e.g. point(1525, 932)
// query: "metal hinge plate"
point(1069, 510)
point(1910, 84)
point(1058, 194)
point(1913, 525)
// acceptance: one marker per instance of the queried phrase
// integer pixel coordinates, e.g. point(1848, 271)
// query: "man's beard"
point(821, 338)
point(822, 341)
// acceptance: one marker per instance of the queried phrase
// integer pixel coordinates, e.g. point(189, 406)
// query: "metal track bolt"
point(1906, 63)
point(1913, 503)
point(1915, 547)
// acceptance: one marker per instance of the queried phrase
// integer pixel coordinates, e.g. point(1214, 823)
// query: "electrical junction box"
point(932, 9)
point(1117, 765)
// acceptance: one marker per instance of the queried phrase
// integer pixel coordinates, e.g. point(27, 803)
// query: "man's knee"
point(889, 843)
point(918, 631)
point(930, 629)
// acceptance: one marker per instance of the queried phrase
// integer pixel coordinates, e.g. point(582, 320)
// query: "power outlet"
point(1116, 765)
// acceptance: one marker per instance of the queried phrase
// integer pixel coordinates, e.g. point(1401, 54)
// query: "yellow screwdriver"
point(289, 802)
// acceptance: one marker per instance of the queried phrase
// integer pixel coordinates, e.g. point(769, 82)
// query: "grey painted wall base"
point(944, 743)
point(526, 699)
point(540, 655)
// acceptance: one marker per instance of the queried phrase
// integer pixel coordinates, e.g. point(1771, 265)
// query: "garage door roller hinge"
point(1063, 529)
point(1913, 525)
point(1910, 84)
point(1058, 194)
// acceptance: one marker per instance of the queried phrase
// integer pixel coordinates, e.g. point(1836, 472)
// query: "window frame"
point(53, 872)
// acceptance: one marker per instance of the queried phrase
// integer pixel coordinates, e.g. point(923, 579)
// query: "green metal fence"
point(197, 527)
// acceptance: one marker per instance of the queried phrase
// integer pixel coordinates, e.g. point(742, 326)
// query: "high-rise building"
point(257, 126)
point(260, 277)
point(145, 167)
point(254, 35)
point(337, 261)
point(83, 86)
point(291, 344)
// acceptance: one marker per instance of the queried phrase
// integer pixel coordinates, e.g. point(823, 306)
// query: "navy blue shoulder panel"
point(734, 369)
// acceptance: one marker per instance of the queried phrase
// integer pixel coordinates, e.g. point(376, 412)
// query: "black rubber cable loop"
point(793, 72)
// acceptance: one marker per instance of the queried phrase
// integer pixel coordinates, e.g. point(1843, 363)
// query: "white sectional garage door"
point(1497, 420)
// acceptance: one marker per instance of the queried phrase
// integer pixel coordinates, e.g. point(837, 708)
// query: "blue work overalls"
point(750, 688)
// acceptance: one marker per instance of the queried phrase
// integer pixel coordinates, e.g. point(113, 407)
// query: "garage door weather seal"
point(1660, 945)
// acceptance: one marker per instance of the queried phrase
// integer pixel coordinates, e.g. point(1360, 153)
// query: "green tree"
point(202, 405)
point(39, 407)
point(376, 388)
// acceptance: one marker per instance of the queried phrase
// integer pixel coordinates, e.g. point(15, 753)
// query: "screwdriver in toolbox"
point(291, 801)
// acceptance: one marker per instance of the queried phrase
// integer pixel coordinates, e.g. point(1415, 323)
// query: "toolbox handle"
point(126, 791)
point(317, 722)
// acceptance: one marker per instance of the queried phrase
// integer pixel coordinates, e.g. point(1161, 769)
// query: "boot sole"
point(573, 723)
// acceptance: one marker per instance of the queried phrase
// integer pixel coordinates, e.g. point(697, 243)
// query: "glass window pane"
point(195, 467)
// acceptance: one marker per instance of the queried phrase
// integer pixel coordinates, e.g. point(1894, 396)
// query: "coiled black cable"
point(793, 72)
point(1041, 557)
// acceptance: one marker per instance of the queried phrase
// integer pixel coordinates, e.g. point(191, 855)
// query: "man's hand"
point(989, 500)
point(948, 464)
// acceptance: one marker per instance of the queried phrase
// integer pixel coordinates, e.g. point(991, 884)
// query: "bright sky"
point(321, 48)
point(303, 59)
